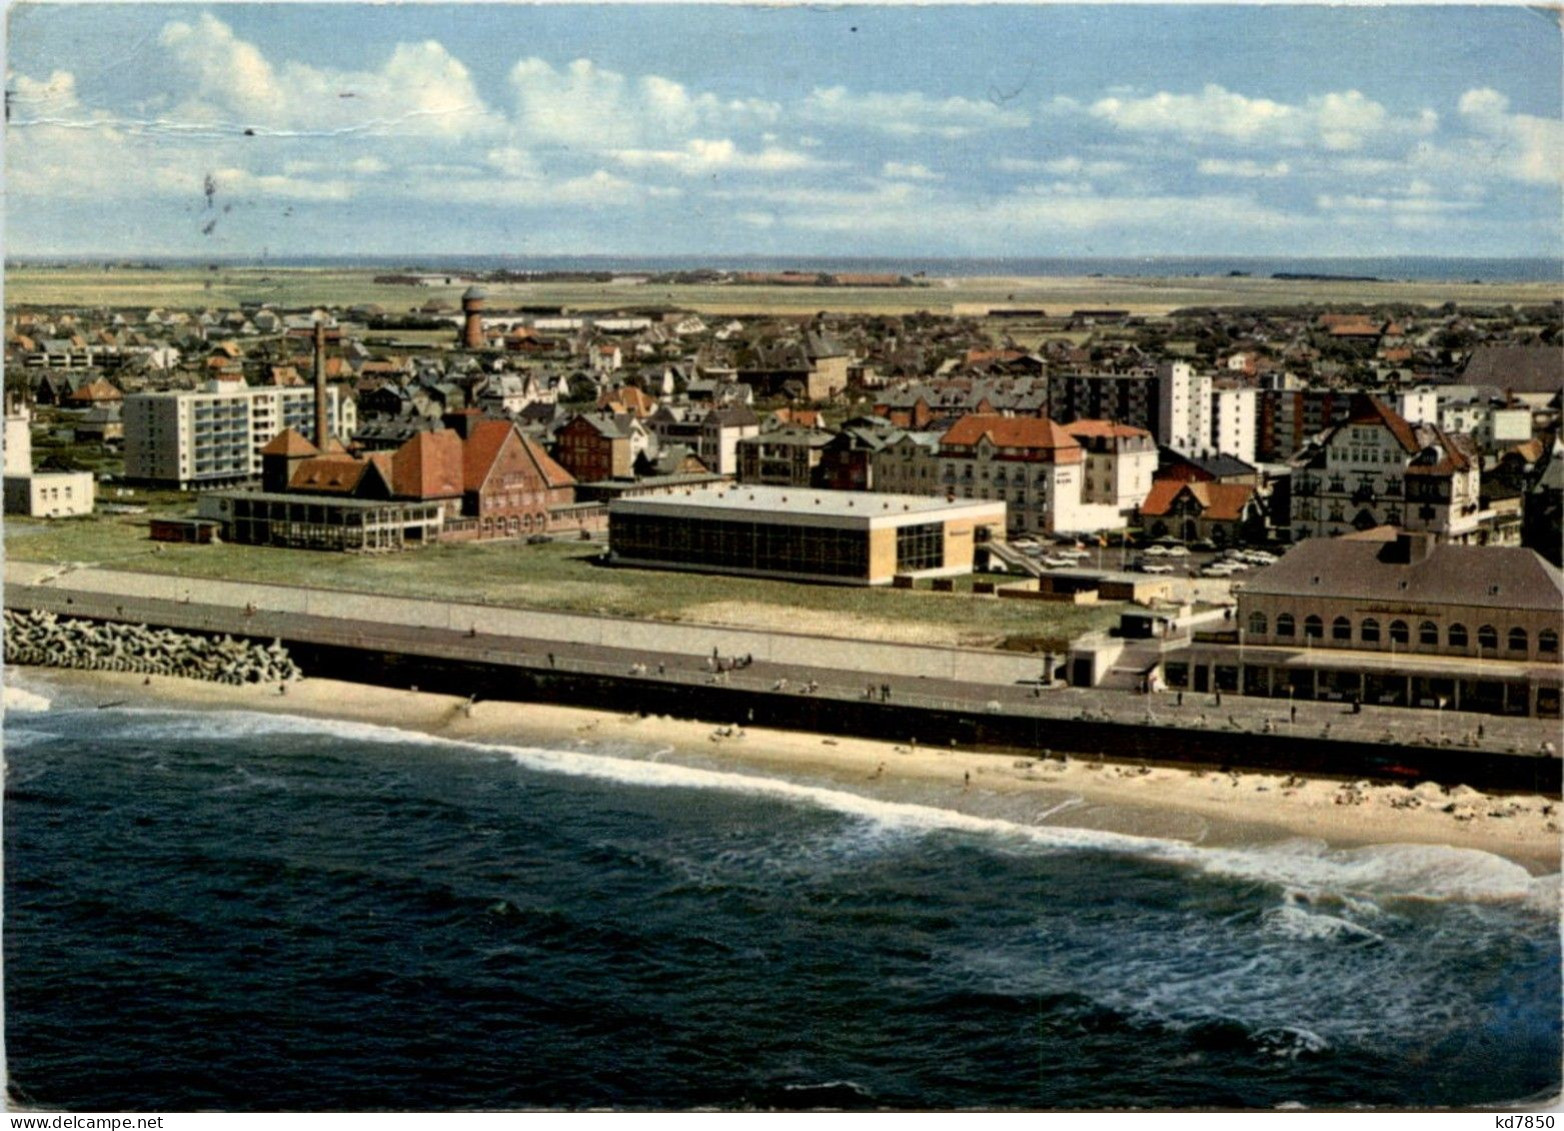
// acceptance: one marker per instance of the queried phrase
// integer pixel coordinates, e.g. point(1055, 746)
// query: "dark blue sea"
point(1411, 268)
point(238, 911)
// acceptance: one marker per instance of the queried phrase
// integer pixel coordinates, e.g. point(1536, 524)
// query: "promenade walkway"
point(906, 675)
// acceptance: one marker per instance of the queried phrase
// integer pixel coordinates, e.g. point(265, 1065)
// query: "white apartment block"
point(214, 438)
point(1235, 422)
point(1183, 408)
point(1416, 406)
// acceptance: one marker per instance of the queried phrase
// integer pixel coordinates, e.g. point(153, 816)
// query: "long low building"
point(1392, 618)
point(798, 534)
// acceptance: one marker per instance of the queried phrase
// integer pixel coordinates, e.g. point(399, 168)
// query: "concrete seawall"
point(933, 725)
point(991, 702)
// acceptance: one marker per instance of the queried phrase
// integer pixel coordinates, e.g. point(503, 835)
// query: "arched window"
point(1313, 627)
point(1428, 634)
point(1517, 640)
point(1455, 636)
point(1257, 626)
point(1369, 632)
point(1399, 633)
point(1284, 625)
point(1341, 629)
point(1548, 641)
point(1488, 637)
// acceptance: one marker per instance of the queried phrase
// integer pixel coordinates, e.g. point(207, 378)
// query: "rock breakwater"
point(46, 640)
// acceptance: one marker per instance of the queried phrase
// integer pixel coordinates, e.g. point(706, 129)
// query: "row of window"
point(1400, 632)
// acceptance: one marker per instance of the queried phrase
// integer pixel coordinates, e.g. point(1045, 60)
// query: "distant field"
point(188, 287)
point(563, 576)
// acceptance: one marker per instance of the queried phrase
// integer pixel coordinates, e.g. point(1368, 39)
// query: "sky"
point(239, 130)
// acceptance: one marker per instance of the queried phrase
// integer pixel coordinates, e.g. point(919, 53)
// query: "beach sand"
point(1203, 805)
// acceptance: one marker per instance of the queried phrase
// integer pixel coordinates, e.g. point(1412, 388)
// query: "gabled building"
point(1030, 463)
point(786, 457)
point(1227, 514)
point(1375, 469)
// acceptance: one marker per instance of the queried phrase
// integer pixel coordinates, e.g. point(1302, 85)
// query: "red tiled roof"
point(1365, 409)
point(1032, 432)
point(290, 442)
point(337, 475)
point(1220, 502)
point(428, 466)
point(97, 390)
point(553, 474)
point(483, 447)
point(1103, 428)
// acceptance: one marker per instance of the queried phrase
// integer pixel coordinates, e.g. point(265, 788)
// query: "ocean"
point(1408, 268)
point(229, 910)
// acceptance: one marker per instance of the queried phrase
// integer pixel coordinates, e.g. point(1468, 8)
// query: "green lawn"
point(566, 576)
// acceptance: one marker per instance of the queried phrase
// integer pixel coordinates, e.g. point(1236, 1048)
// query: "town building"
point(1120, 464)
point(841, 537)
point(39, 494)
point(1235, 423)
point(214, 437)
point(784, 457)
point(1030, 463)
point(907, 464)
point(1184, 405)
point(1396, 618)
point(1375, 469)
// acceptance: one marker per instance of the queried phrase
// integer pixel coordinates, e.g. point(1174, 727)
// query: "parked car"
point(1156, 551)
point(1178, 552)
point(1157, 567)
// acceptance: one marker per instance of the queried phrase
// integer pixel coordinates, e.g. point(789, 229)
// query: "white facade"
point(1490, 426)
point(1040, 497)
point(50, 494)
point(1235, 422)
point(18, 440)
point(1183, 408)
point(209, 438)
point(1416, 406)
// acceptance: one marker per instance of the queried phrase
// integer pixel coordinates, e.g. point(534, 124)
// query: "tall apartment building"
point(214, 437)
point(1125, 398)
point(1183, 408)
point(1235, 422)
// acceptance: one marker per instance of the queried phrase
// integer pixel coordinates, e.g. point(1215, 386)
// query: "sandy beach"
point(1199, 805)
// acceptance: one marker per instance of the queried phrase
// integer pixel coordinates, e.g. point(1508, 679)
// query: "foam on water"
point(1377, 872)
point(20, 699)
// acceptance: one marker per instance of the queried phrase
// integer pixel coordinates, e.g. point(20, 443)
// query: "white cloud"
point(909, 171)
point(1524, 147)
point(1061, 166)
point(1340, 121)
point(587, 107)
point(420, 91)
point(1244, 167)
point(907, 114)
point(700, 157)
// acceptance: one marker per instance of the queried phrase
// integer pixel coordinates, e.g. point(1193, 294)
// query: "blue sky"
point(859, 130)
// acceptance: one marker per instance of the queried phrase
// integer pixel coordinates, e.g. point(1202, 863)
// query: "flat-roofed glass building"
point(798, 534)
